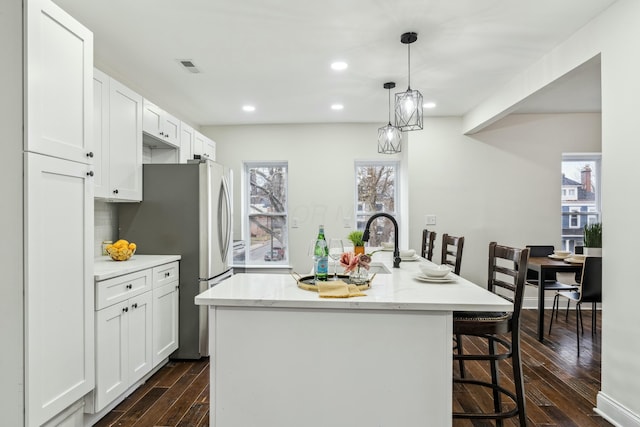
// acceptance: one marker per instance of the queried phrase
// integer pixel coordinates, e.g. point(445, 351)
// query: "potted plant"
point(593, 239)
point(356, 238)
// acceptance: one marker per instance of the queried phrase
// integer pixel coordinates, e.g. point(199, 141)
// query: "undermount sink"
point(374, 267)
point(378, 267)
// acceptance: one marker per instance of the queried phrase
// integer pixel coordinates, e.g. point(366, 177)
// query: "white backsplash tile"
point(105, 224)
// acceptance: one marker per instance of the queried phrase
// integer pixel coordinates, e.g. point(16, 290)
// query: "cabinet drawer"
point(164, 274)
point(112, 291)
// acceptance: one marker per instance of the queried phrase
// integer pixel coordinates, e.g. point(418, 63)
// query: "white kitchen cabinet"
point(59, 314)
point(58, 363)
point(204, 146)
point(165, 321)
point(124, 335)
point(160, 124)
point(118, 134)
point(165, 310)
point(187, 135)
point(59, 58)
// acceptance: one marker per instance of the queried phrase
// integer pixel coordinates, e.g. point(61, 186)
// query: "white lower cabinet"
point(136, 329)
point(165, 321)
point(123, 339)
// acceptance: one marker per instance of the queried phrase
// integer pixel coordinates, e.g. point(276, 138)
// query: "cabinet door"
point(151, 119)
point(171, 129)
point(210, 149)
point(125, 142)
point(198, 143)
point(112, 350)
point(59, 294)
point(186, 142)
point(165, 321)
point(59, 68)
point(140, 336)
point(101, 133)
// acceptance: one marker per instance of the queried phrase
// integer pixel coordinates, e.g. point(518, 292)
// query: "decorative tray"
point(308, 282)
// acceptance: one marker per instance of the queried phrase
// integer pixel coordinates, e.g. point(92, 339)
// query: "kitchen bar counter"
point(106, 268)
point(282, 356)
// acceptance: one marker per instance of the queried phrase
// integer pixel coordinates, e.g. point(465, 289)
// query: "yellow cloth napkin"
point(338, 289)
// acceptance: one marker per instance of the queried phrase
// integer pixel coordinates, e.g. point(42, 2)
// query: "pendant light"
point(409, 104)
point(389, 136)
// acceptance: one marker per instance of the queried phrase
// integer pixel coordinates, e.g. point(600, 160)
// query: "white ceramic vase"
point(592, 251)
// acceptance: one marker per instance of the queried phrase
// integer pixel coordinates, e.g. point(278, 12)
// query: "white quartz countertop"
point(397, 291)
point(106, 268)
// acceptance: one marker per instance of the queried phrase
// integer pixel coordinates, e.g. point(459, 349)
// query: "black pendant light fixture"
point(389, 136)
point(408, 105)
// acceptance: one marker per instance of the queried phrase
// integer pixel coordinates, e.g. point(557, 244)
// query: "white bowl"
point(562, 253)
point(433, 270)
point(407, 253)
point(387, 245)
point(579, 257)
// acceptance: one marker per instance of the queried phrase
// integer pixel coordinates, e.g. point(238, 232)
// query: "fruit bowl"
point(121, 250)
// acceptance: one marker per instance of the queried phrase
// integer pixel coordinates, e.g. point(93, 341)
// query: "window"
point(580, 195)
point(265, 207)
point(376, 191)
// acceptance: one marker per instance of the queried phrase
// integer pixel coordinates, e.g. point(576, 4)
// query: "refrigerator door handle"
point(224, 220)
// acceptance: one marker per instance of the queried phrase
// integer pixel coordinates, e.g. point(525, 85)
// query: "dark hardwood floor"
point(560, 387)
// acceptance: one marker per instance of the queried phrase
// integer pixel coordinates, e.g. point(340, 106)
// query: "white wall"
point(615, 35)
point(321, 173)
point(501, 184)
point(11, 213)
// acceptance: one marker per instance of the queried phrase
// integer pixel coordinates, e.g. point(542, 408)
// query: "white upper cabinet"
point(59, 58)
point(204, 146)
point(117, 132)
point(187, 135)
point(160, 124)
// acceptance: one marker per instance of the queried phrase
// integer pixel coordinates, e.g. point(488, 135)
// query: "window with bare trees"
point(266, 221)
point(376, 191)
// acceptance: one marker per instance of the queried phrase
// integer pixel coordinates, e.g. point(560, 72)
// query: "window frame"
point(396, 165)
point(592, 213)
point(247, 166)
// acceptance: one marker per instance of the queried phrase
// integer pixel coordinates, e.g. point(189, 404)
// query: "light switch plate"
point(430, 219)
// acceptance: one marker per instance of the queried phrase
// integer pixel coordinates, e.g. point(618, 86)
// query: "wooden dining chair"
point(428, 242)
point(501, 330)
point(590, 290)
point(452, 252)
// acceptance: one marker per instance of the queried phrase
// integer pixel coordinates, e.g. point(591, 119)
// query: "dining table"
point(547, 268)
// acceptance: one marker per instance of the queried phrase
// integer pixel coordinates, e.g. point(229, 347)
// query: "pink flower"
point(350, 261)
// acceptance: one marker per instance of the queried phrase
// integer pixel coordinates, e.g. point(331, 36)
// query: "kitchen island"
point(281, 356)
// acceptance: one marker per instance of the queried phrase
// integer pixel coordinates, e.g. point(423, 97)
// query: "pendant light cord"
point(389, 105)
point(409, 64)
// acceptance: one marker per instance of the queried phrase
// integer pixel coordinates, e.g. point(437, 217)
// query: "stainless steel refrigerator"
point(186, 210)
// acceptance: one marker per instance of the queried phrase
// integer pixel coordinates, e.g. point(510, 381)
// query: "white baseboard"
point(615, 413)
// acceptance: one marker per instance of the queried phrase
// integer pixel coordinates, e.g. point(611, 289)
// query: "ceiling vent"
point(188, 65)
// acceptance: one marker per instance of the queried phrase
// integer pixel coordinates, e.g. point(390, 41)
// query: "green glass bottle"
point(321, 256)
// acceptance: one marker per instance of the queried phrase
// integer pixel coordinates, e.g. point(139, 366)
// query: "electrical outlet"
point(346, 222)
point(295, 223)
point(430, 219)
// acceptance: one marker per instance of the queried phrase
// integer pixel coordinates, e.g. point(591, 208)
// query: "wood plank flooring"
point(560, 387)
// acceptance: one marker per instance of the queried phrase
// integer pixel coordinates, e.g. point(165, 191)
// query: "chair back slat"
point(591, 282)
point(428, 242)
point(452, 252)
point(504, 263)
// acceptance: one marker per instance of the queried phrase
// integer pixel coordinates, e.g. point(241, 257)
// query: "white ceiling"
point(275, 54)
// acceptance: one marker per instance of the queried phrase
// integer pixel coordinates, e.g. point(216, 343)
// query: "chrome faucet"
point(396, 250)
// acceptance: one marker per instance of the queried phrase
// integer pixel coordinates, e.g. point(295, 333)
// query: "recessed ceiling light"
point(248, 108)
point(337, 107)
point(429, 105)
point(339, 66)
